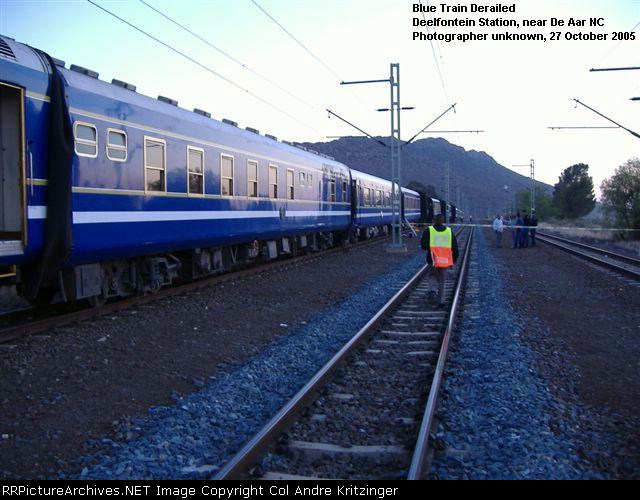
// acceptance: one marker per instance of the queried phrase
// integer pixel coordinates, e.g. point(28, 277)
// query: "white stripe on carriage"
point(37, 212)
point(170, 216)
point(378, 214)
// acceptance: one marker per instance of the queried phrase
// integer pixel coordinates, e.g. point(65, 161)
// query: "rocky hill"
point(477, 181)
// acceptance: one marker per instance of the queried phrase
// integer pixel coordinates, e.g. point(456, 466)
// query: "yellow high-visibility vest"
point(440, 243)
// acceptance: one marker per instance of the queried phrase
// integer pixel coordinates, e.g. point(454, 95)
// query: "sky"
point(513, 91)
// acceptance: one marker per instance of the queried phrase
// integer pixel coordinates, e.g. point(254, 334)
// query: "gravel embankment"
point(96, 388)
point(512, 405)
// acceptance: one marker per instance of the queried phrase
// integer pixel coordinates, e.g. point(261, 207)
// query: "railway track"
point(368, 412)
point(623, 264)
point(22, 323)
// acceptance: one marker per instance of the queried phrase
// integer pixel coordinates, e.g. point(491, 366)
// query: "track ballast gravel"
point(109, 387)
point(526, 396)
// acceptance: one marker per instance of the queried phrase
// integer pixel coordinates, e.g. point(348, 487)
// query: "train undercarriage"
point(99, 282)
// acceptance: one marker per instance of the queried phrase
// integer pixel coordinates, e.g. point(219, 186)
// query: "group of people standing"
point(523, 228)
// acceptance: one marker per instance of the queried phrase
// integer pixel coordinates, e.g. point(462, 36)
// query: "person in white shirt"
point(498, 228)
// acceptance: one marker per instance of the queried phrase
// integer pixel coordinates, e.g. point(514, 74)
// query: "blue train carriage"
point(411, 205)
point(140, 190)
point(372, 212)
point(453, 214)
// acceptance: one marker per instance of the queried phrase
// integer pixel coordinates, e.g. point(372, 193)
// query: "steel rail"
point(419, 462)
point(255, 447)
point(603, 251)
point(31, 328)
point(598, 260)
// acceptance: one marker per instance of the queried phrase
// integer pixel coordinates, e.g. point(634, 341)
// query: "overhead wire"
point(229, 56)
point(433, 51)
point(439, 50)
point(306, 49)
point(619, 42)
point(205, 67)
point(296, 40)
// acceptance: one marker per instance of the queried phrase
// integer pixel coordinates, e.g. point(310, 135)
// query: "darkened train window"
point(344, 191)
point(387, 198)
point(195, 166)
point(154, 164)
point(86, 139)
point(303, 179)
point(367, 196)
point(290, 187)
point(379, 198)
point(332, 190)
point(273, 181)
point(252, 179)
point(116, 145)
point(226, 175)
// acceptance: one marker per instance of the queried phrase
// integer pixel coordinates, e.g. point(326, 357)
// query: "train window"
point(332, 190)
point(303, 179)
point(359, 195)
point(154, 164)
point(86, 139)
point(310, 180)
point(273, 181)
point(116, 145)
point(367, 197)
point(379, 198)
point(195, 166)
point(387, 199)
point(252, 179)
point(226, 175)
point(344, 191)
point(290, 187)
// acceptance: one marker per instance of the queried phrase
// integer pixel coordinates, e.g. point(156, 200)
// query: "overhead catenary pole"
point(533, 186)
point(396, 158)
point(531, 166)
point(446, 188)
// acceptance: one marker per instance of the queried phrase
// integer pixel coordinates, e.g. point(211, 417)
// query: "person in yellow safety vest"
point(442, 252)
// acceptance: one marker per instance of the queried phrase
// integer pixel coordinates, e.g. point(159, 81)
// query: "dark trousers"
point(532, 234)
point(440, 275)
point(498, 239)
point(524, 238)
point(516, 237)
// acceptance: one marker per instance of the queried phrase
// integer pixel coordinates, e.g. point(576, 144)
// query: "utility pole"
point(396, 157)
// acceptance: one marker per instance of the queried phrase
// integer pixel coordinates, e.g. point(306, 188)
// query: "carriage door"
point(354, 200)
point(12, 181)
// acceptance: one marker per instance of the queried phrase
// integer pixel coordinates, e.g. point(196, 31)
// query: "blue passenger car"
point(373, 212)
point(411, 205)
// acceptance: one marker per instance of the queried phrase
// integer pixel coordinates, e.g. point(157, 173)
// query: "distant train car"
point(453, 214)
point(411, 205)
point(372, 213)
